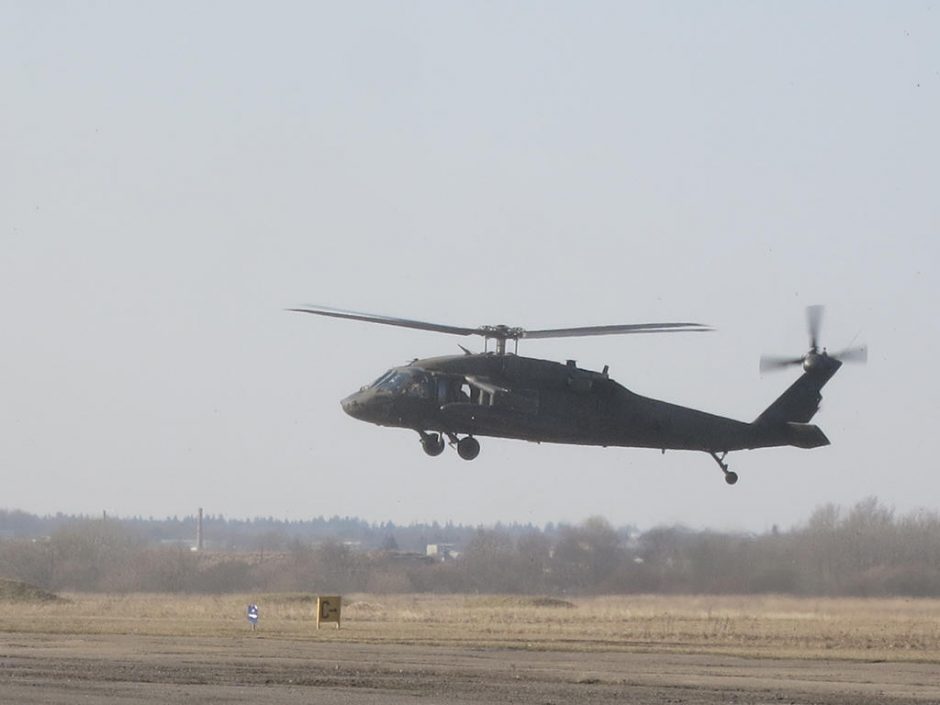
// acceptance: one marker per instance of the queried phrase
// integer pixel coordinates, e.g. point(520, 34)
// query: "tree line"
point(261, 533)
point(865, 550)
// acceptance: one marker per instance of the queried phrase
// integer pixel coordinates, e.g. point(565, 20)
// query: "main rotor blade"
point(858, 354)
point(769, 363)
point(385, 320)
point(626, 328)
point(502, 332)
point(814, 316)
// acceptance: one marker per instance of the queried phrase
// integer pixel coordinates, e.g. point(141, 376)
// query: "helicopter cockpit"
point(378, 401)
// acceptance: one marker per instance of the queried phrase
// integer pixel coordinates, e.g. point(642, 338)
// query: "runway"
point(127, 669)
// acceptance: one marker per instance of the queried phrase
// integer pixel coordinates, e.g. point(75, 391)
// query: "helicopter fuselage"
point(511, 396)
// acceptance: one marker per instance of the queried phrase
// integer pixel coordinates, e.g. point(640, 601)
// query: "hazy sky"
point(173, 175)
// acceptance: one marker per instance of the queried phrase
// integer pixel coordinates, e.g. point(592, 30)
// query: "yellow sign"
point(328, 609)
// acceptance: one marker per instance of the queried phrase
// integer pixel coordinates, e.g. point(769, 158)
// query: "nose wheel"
point(731, 477)
point(468, 447)
point(432, 443)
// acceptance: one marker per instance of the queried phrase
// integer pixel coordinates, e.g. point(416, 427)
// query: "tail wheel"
point(468, 448)
point(730, 477)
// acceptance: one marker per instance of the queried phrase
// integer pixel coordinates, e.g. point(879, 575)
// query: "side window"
point(443, 389)
point(451, 389)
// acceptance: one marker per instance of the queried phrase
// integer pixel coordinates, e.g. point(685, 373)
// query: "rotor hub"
point(813, 360)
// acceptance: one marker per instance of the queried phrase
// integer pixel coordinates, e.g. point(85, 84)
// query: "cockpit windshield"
point(413, 383)
point(381, 379)
point(396, 382)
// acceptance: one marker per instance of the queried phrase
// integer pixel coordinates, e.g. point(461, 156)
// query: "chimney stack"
point(199, 530)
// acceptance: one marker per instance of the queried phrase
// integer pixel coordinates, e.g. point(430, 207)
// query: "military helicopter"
point(501, 394)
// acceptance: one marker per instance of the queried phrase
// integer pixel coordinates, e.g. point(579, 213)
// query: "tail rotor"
point(815, 357)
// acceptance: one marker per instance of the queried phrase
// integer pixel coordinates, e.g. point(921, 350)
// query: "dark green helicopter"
point(505, 395)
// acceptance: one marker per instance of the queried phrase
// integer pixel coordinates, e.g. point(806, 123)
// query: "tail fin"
point(801, 401)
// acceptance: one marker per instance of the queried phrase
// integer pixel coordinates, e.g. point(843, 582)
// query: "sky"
point(173, 175)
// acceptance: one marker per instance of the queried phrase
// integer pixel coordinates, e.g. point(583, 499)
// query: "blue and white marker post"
point(253, 615)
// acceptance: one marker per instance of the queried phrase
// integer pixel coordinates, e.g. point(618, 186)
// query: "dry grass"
point(876, 629)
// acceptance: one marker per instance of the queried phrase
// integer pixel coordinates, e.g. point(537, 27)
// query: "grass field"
point(855, 629)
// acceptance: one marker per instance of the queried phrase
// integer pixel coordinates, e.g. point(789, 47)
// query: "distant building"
point(441, 551)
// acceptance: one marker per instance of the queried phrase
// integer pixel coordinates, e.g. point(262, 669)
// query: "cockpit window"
point(381, 379)
point(419, 386)
point(409, 382)
point(396, 382)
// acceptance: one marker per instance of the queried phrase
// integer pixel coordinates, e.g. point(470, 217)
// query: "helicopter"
point(502, 394)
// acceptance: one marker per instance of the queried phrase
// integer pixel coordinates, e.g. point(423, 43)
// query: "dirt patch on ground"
point(17, 591)
point(503, 601)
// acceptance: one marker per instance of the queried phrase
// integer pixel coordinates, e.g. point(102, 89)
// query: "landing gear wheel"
point(730, 477)
point(468, 448)
point(433, 444)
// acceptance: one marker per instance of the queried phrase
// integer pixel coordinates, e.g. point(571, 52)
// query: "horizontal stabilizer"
point(806, 435)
